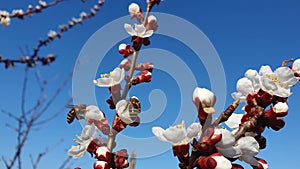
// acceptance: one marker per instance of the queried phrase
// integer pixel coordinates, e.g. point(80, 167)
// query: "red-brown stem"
point(248, 125)
point(285, 62)
point(224, 116)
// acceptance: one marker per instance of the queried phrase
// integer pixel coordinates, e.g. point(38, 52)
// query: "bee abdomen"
point(71, 116)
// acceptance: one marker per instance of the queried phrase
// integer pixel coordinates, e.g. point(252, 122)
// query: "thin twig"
point(52, 99)
point(42, 154)
point(54, 115)
point(23, 96)
point(65, 162)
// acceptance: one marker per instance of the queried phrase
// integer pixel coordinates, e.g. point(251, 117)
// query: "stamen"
point(106, 74)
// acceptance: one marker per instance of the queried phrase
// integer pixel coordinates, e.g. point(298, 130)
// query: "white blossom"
point(4, 18)
point(138, 30)
point(177, 135)
point(17, 12)
point(52, 34)
point(83, 15)
point(89, 133)
point(278, 82)
point(43, 3)
point(113, 78)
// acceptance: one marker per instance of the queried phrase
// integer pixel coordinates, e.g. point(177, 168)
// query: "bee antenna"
point(70, 106)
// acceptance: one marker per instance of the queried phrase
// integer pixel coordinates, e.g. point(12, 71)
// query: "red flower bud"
point(144, 76)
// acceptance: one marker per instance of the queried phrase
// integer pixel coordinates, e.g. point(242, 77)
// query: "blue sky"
point(244, 34)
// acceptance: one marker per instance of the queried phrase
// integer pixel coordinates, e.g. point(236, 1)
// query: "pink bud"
point(121, 159)
point(125, 64)
point(145, 66)
point(152, 23)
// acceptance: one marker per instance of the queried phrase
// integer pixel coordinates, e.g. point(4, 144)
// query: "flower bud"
point(144, 76)
point(280, 109)
point(134, 10)
point(103, 154)
point(262, 164)
point(125, 50)
point(101, 165)
point(214, 161)
point(121, 159)
point(152, 23)
point(125, 64)
point(296, 67)
point(237, 166)
point(145, 66)
point(206, 98)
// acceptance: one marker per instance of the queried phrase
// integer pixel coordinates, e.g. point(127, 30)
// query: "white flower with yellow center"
point(111, 79)
point(177, 135)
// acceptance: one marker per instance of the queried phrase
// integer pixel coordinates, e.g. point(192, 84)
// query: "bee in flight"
point(76, 112)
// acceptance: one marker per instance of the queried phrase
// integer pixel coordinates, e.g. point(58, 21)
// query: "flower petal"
point(118, 75)
point(244, 86)
point(265, 70)
point(147, 34)
point(285, 75)
point(194, 130)
point(230, 152)
point(103, 82)
point(129, 29)
point(248, 145)
point(227, 138)
point(249, 159)
point(158, 132)
point(89, 132)
point(234, 121)
point(222, 162)
point(175, 135)
point(268, 84)
point(238, 96)
point(77, 151)
point(139, 29)
point(93, 112)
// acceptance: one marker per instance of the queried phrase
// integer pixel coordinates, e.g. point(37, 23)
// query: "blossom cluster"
point(101, 144)
point(31, 61)
point(6, 16)
point(265, 94)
